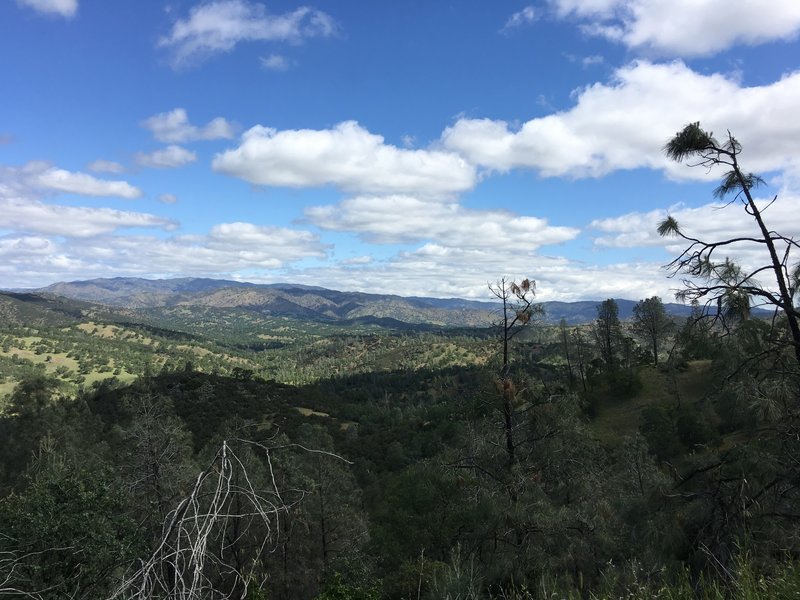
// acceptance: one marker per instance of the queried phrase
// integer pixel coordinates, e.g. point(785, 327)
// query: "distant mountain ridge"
point(312, 303)
point(289, 300)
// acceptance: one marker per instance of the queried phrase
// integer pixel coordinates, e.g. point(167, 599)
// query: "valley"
point(408, 413)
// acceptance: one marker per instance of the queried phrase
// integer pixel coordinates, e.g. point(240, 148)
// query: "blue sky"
point(412, 147)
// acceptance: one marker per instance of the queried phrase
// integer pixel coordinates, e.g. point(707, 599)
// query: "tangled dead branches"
point(195, 557)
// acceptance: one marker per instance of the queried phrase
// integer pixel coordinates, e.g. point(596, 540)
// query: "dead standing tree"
point(724, 282)
point(517, 310)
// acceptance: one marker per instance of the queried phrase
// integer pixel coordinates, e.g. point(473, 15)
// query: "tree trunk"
point(787, 303)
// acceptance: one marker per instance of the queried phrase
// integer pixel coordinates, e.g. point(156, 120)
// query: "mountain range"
point(311, 303)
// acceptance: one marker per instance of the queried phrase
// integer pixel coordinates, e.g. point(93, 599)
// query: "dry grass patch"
point(103, 331)
point(308, 412)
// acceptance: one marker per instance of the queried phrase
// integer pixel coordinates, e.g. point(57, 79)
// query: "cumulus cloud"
point(526, 16)
point(402, 219)
point(33, 216)
point(623, 124)
point(167, 158)
point(347, 156)
point(86, 185)
point(35, 177)
point(174, 127)
point(275, 62)
point(105, 166)
point(685, 27)
point(62, 8)
point(218, 26)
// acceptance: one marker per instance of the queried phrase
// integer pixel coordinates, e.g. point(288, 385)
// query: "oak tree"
point(651, 322)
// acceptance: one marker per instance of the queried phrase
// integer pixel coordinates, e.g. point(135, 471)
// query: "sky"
point(418, 148)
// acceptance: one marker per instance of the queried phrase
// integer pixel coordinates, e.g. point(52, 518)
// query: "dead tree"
point(517, 311)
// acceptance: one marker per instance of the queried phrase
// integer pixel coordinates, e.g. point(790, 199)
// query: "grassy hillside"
point(617, 418)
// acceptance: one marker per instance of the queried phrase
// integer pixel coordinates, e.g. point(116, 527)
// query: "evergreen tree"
point(608, 333)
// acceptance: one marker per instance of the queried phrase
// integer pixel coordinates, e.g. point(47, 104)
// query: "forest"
point(225, 453)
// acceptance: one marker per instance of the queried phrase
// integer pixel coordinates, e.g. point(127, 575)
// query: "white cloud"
point(218, 26)
point(364, 259)
point(526, 16)
point(430, 270)
point(25, 246)
point(31, 260)
point(254, 242)
point(168, 198)
point(174, 127)
point(33, 216)
point(587, 8)
point(37, 177)
point(105, 166)
point(624, 124)
point(439, 271)
point(275, 62)
point(402, 219)
point(685, 27)
point(709, 222)
point(167, 158)
point(51, 178)
point(347, 156)
point(63, 8)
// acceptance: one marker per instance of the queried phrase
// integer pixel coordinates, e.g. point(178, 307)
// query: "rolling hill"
point(310, 303)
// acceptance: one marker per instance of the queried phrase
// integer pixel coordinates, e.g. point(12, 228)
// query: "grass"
point(52, 361)
point(95, 376)
point(742, 582)
point(6, 389)
point(196, 349)
point(616, 419)
point(57, 359)
point(103, 331)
